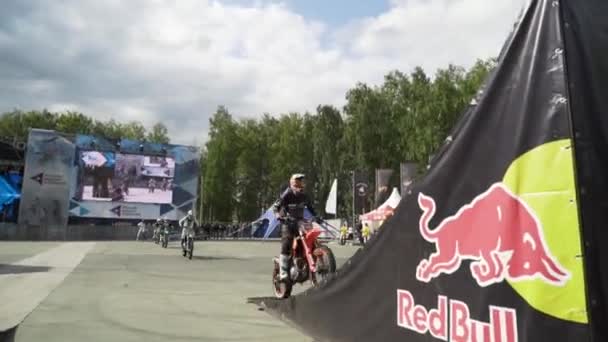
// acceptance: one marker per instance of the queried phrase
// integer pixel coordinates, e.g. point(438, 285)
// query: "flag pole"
point(352, 173)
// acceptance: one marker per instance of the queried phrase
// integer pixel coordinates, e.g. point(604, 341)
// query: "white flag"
point(332, 199)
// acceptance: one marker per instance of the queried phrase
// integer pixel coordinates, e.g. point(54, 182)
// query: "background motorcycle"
point(310, 260)
point(156, 236)
point(164, 237)
point(189, 246)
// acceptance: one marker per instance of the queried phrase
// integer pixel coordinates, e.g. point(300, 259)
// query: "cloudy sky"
point(176, 61)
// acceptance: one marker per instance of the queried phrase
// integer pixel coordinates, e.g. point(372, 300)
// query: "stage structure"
point(85, 176)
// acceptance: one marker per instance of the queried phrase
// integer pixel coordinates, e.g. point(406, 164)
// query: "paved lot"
point(137, 291)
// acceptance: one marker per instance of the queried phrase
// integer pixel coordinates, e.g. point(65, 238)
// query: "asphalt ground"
point(138, 291)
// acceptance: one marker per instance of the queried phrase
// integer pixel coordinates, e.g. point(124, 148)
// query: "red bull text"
point(498, 232)
point(451, 320)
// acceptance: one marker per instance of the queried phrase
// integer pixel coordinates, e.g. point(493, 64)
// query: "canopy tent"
point(7, 192)
point(8, 196)
point(384, 210)
point(375, 217)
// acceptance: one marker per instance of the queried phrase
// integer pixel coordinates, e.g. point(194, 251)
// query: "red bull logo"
point(451, 320)
point(498, 232)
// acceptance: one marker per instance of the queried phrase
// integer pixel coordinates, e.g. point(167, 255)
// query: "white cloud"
point(175, 61)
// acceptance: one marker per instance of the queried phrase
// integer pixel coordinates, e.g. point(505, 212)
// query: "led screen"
point(126, 177)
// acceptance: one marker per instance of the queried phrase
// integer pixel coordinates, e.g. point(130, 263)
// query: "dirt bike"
point(156, 236)
point(164, 237)
point(310, 260)
point(189, 246)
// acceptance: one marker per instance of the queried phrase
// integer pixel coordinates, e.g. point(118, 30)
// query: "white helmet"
point(190, 212)
point(296, 181)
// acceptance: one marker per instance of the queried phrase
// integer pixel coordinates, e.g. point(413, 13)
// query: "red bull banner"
point(502, 239)
point(408, 173)
point(383, 186)
point(361, 192)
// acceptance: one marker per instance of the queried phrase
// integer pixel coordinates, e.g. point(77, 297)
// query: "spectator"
point(365, 233)
point(222, 230)
point(216, 231)
point(359, 228)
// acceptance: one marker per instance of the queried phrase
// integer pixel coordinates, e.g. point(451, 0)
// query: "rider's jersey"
point(293, 203)
point(187, 224)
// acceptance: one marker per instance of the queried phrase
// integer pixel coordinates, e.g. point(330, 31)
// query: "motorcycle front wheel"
point(190, 248)
point(326, 263)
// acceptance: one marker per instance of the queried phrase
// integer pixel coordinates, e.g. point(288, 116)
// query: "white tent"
point(393, 200)
point(375, 218)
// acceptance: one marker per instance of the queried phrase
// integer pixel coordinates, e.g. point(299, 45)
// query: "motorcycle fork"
point(307, 252)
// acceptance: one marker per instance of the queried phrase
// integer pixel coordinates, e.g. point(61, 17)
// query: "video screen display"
point(132, 178)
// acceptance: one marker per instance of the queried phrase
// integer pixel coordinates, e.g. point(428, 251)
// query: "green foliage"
point(220, 169)
point(17, 124)
point(158, 134)
point(405, 118)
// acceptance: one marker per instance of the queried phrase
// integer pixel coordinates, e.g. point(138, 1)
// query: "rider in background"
point(141, 232)
point(292, 202)
point(158, 225)
point(187, 224)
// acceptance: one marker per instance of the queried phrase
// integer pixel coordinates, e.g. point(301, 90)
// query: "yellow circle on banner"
point(544, 178)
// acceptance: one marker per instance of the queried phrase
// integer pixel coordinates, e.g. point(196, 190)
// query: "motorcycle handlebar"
point(292, 219)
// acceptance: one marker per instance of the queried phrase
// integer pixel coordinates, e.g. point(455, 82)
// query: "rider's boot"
point(283, 267)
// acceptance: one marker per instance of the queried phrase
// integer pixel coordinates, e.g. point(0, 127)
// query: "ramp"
point(488, 245)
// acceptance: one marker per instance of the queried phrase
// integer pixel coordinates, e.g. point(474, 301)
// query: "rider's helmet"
point(296, 182)
point(158, 220)
point(190, 213)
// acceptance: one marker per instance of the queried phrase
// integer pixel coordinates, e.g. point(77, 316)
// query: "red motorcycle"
point(310, 260)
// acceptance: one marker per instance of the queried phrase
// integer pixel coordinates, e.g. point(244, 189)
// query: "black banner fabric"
point(586, 52)
point(488, 246)
point(361, 191)
point(383, 186)
point(408, 173)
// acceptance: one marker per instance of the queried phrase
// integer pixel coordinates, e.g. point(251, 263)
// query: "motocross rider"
point(292, 202)
point(187, 224)
point(158, 225)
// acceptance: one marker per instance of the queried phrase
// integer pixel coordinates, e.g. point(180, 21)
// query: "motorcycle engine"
point(299, 270)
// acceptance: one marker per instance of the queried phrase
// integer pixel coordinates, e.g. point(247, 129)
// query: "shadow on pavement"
point(206, 257)
point(19, 269)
